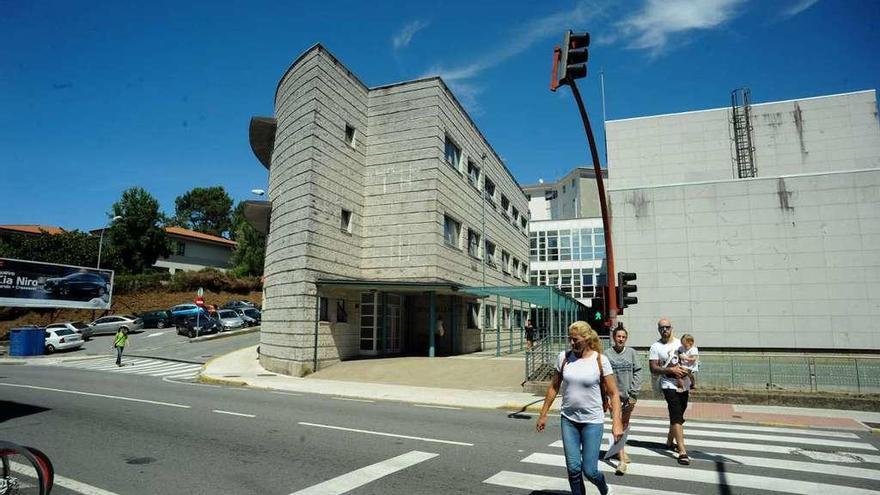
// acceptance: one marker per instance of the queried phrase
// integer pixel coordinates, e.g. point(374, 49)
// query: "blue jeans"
point(119, 355)
point(581, 442)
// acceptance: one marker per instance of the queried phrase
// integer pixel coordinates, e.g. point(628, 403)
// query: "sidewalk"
point(484, 381)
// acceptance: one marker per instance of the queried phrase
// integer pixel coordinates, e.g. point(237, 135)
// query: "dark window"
point(180, 248)
point(505, 204)
point(473, 173)
point(322, 313)
point(550, 194)
point(451, 231)
point(489, 188)
point(473, 315)
point(453, 153)
point(345, 223)
point(473, 243)
point(349, 135)
point(341, 314)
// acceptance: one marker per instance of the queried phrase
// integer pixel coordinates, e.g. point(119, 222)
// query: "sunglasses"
point(664, 327)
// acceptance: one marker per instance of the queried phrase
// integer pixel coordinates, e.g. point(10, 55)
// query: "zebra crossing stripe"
point(753, 436)
point(715, 478)
point(108, 365)
point(360, 477)
point(155, 365)
point(148, 367)
point(749, 428)
point(537, 483)
point(170, 372)
point(767, 462)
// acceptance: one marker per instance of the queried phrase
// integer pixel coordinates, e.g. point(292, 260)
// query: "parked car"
point(79, 285)
point(81, 328)
point(251, 316)
point(229, 319)
point(196, 324)
point(156, 319)
point(109, 325)
point(239, 304)
point(62, 338)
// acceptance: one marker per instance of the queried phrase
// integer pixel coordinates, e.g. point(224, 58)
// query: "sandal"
point(684, 460)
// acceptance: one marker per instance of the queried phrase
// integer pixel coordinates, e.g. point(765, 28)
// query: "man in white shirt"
point(664, 362)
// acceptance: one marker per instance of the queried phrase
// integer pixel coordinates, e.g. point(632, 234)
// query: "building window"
point(489, 257)
point(453, 153)
point(505, 261)
point(515, 214)
point(549, 194)
point(341, 313)
point(563, 189)
point(515, 268)
point(345, 223)
point(488, 316)
point(473, 174)
point(349, 135)
point(524, 222)
point(489, 188)
point(525, 271)
point(180, 248)
point(323, 311)
point(473, 243)
point(505, 204)
point(451, 231)
point(473, 315)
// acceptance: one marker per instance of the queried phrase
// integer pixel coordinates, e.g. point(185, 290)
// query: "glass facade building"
point(568, 255)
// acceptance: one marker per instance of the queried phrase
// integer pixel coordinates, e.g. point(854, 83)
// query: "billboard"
point(47, 285)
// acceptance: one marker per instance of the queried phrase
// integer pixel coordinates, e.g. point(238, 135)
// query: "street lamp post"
point(101, 241)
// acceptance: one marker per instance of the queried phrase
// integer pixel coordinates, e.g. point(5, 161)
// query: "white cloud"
point(458, 76)
point(402, 39)
point(651, 27)
point(798, 7)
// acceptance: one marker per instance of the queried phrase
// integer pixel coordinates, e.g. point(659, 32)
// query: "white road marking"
point(360, 477)
point(70, 484)
point(437, 407)
point(350, 399)
point(715, 478)
point(287, 393)
point(751, 436)
point(156, 334)
point(383, 434)
point(537, 483)
point(744, 447)
point(747, 427)
point(116, 397)
point(218, 411)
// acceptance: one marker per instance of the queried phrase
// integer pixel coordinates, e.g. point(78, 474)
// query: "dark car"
point(251, 316)
point(78, 285)
point(195, 325)
point(239, 304)
point(156, 319)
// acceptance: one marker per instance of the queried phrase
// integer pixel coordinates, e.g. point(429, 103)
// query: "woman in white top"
point(583, 412)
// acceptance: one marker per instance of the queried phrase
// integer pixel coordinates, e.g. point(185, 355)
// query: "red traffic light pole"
point(611, 294)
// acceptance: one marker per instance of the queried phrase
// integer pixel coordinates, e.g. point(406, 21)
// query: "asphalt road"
point(133, 434)
point(166, 344)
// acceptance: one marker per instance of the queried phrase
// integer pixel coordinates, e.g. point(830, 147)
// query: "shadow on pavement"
point(11, 410)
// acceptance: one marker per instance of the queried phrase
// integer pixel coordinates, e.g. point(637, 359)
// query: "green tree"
point(250, 253)
point(65, 248)
point(137, 240)
point(204, 209)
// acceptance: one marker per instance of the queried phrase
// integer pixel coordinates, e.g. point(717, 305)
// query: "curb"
point(223, 335)
point(210, 380)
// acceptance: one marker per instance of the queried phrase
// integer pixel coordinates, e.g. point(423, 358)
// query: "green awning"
point(541, 296)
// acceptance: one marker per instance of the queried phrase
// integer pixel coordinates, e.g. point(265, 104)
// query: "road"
point(166, 344)
point(129, 433)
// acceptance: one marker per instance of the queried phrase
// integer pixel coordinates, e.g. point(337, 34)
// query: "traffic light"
point(624, 288)
point(597, 313)
point(573, 57)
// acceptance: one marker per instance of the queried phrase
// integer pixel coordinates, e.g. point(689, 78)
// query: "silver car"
point(109, 325)
point(229, 319)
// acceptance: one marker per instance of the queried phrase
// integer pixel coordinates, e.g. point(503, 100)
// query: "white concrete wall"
point(827, 133)
point(786, 262)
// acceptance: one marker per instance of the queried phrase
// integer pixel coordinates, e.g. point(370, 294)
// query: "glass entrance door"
point(374, 339)
point(395, 305)
point(369, 322)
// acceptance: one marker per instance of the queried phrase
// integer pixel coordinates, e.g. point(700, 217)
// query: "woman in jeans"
point(583, 414)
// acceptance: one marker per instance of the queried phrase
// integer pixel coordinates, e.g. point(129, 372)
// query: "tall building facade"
point(385, 203)
point(752, 226)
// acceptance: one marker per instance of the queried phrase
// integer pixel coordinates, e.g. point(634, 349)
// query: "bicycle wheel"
point(24, 471)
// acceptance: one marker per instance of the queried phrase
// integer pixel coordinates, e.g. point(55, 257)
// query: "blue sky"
point(96, 97)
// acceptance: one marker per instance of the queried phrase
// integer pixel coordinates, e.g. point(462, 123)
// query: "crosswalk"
point(725, 458)
point(139, 366)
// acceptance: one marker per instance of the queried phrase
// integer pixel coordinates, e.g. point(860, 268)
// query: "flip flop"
point(684, 460)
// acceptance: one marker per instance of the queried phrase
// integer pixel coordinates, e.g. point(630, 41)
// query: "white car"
point(59, 339)
point(230, 319)
point(83, 329)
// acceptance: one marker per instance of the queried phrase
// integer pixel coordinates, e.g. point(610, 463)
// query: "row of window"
point(488, 315)
point(324, 310)
point(579, 283)
point(582, 244)
point(485, 250)
point(456, 160)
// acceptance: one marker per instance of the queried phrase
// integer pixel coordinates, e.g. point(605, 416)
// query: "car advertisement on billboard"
point(46, 285)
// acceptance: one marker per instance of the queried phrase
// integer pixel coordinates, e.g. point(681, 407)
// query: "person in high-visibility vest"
point(119, 344)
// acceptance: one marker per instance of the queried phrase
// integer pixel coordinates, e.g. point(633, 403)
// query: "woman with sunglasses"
point(584, 373)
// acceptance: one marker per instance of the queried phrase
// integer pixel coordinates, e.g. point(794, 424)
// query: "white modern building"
point(755, 226)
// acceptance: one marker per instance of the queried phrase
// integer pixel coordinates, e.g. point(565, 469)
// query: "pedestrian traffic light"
point(573, 57)
point(597, 313)
point(624, 288)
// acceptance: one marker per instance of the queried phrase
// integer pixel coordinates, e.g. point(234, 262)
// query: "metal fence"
point(748, 372)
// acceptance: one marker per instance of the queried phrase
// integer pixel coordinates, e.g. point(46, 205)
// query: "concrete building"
point(566, 243)
point(753, 226)
point(193, 251)
point(377, 220)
